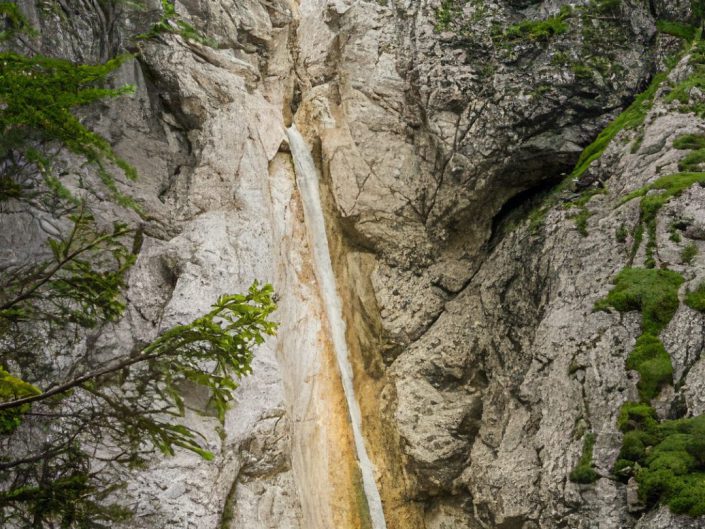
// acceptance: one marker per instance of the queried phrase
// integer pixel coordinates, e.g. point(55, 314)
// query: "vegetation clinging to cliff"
point(94, 417)
point(583, 472)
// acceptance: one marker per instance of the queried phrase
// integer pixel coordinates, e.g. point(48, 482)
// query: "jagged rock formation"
point(479, 361)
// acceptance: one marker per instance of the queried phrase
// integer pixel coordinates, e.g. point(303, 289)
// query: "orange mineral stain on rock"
point(323, 452)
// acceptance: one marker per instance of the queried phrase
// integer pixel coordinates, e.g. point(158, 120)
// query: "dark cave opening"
point(519, 206)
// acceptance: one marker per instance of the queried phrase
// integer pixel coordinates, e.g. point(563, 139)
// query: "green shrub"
point(636, 416)
point(695, 299)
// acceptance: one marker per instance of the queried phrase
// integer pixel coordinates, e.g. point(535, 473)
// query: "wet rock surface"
point(435, 127)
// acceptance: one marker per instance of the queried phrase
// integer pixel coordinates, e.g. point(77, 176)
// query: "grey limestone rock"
point(480, 361)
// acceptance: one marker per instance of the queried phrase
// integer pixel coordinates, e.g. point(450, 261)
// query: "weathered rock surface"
point(480, 363)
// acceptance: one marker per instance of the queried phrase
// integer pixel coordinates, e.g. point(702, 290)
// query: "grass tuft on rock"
point(539, 30)
point(677, 29)
point(688, 253)
point(650, 358)
point(695, 299)
point(652, 292)
point(583, 472)
point(631, 118)
point(689, 142)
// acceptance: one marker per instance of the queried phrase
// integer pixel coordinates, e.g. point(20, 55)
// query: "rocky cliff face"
point(437, 127)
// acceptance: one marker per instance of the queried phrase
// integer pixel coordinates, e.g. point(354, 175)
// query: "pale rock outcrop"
point(479, 360)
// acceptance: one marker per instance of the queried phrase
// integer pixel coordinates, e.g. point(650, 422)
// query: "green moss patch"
point(583, 472)
point(677, 29)
point(652, 292)
point(695, 299)
point(653, 197)
point(667, 458)
point(539, 30)
point(650, 359)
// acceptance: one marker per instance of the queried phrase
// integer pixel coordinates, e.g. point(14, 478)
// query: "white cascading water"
point(307, 182)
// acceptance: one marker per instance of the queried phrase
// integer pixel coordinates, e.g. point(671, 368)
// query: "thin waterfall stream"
point(307, 182)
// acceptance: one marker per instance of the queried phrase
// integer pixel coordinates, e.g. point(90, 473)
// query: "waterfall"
point(307, 181)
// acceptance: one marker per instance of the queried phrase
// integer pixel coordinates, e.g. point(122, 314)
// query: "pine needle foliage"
point(38, 98)
point(68, 431)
